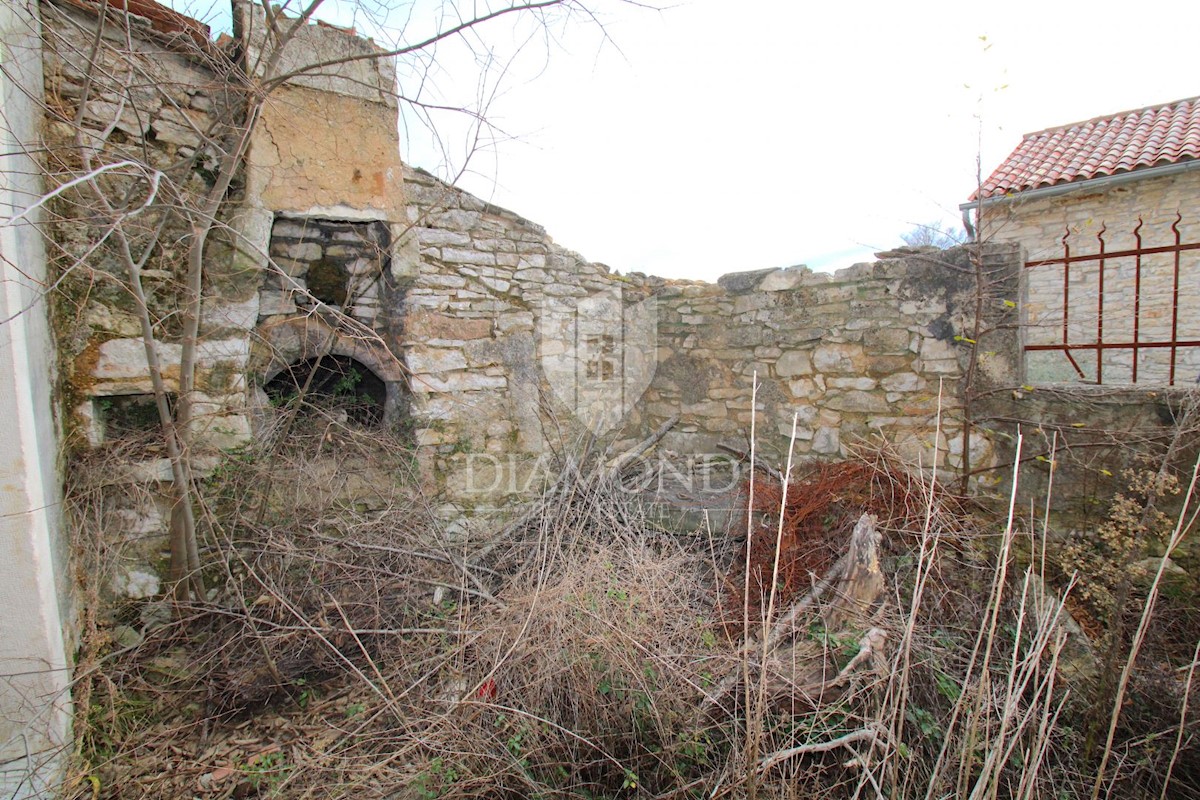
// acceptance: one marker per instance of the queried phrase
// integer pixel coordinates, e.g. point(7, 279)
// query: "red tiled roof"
point(1131, 140)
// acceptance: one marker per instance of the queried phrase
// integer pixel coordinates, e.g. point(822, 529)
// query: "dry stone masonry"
point(473, 334)
point(859, 357)
point(495, 347)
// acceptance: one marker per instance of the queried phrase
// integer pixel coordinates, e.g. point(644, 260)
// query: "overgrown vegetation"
point(355, 645)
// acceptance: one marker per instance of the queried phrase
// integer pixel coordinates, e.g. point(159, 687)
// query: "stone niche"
point(337, 263)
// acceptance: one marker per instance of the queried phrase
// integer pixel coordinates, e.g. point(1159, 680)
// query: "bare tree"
point(933, 234)
point(148, 221)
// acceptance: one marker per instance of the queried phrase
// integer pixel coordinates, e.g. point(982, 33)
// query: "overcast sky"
point(715, 136)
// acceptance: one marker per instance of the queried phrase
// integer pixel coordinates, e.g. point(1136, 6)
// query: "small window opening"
point(126, 417)
point(328, 281)
point(331, 384)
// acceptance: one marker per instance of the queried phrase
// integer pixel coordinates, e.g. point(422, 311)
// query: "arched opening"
point(331, 383)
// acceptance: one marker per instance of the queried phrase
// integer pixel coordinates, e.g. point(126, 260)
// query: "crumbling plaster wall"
point(324, 158)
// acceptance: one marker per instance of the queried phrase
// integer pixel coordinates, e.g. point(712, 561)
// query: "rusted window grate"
point(1115, 316)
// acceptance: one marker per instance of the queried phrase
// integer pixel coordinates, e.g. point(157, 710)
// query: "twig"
point(634, 453)
point(864, 735)
point(757, 463)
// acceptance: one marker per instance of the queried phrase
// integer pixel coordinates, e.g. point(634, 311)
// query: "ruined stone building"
point(463, 323)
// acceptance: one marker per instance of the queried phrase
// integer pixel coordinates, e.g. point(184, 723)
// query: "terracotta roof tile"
point(1131, 140)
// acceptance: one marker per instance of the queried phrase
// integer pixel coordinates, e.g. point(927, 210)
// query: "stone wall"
point(471, 340)
point(1040, 225)
point(498, 350)
point(302, 209)
point(859, 356)
point(168, 117)
point(501, 350)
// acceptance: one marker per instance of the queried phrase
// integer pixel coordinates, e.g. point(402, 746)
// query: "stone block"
point(455, 256)
point(941, 366)
point(836, 357)
point(224, 432)
point(532, 260)
point(135, 584)
point(531, 275)
point(291, 267)
point(291, 229)
point(272, 303)
point(803, 389)
point(861, 384)
point(443, 281)
point(362, 266)
point(104, 318)
point(429, 325)
point(663, 410)
point(121, 367)
point(235, 351)
point(981, 450)
point(303, 251)
point(902, 382)
point(175, 133)
point(710, 408)
point(439, 238)
point(752, 302)
point(886, 365)
point(457, 382)
point(496, 284)
point(743, 281)
point(424, 360)
point(858, 401)
point(886, 340)
point(826, 440)
point(782, 280)
point(515, 321)
point(934, 349)
point(793, 363)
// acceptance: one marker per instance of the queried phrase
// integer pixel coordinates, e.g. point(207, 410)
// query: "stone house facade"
point(1117, 197)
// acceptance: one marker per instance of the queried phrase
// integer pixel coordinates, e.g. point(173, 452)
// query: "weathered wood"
point(803, 668)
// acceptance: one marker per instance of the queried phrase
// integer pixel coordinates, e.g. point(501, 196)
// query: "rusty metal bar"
point(1112, 345)
point(1100, 346)
point(1168, 248)
point(1175, 302)
point(1066, 333)
point(1100, 306)
point(1137, 296)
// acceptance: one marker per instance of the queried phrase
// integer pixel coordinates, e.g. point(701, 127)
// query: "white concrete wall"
point(34, 698)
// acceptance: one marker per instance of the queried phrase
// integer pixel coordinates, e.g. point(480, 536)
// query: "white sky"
point(724, 135)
